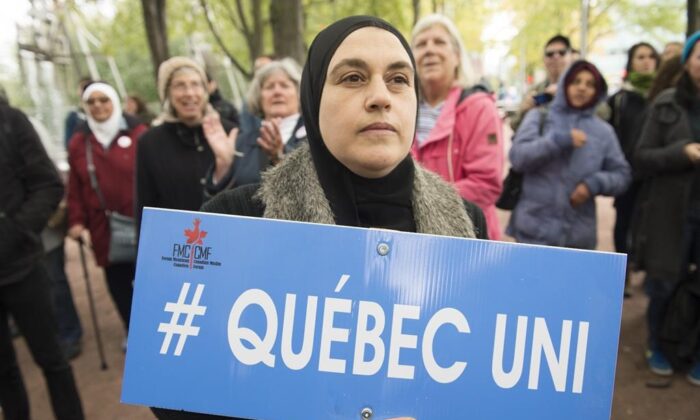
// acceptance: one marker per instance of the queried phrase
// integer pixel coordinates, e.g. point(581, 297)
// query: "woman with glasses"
point(109, 141)
point(182, 160)
point(459, 134)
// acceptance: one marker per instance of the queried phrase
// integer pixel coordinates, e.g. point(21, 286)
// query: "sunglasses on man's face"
point(92, 101)
point(552, 53)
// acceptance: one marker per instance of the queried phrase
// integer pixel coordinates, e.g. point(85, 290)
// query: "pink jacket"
point(471, 134)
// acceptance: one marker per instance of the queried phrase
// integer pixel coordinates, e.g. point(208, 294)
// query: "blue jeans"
point(68, 323)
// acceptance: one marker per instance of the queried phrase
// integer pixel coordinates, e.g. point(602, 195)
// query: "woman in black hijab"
point(359, 98)
point(359, 106)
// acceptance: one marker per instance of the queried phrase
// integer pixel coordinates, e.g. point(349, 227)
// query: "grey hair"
point(465, 73)
point(254, 96)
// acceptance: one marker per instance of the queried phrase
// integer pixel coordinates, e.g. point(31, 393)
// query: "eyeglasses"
point(182, 87)
point(552, 53)
point(102, 99)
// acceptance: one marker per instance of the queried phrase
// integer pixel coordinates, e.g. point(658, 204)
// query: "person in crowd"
point(627, 108)
point(556, 57)
point(69, 329)
point(110, 140)
point(190, 146)
point(668, 235)
point(671, 49)
point(227, 111)
point(134, 105)
point(76, 116)
point(274, 98)
point(459, 134)
point(249, 121)
point(359, 100)
point(360, 112)
point(669, 72)
point(574, 158)
point(31, 190)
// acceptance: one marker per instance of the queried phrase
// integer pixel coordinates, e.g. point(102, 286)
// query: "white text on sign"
point(260, 346)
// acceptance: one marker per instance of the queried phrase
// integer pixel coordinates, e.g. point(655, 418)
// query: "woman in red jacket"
point(112, 138)
point(459, 134)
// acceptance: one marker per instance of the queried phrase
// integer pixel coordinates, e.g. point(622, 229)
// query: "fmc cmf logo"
point(193, 253)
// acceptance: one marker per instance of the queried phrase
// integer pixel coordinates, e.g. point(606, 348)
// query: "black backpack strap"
point(93, 175)
point(466, 92)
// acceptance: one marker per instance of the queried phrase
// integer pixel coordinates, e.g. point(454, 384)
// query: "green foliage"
point(538, 20)
point(124, 38)
point(228, 24)
point(469, 15)
point(320, 14)
point(127, 42)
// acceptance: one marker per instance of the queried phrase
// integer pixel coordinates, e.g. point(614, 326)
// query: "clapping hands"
point(222, 145)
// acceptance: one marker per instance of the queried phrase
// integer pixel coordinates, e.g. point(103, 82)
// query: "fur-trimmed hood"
point(292, 191)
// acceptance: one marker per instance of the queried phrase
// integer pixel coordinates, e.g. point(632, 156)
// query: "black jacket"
point(627, 112)
point(30, 190)
point(225, 108)
point(664, 196)
point(242, 202)
point(172, 163)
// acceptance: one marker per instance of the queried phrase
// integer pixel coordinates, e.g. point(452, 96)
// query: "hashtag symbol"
point(185, 329)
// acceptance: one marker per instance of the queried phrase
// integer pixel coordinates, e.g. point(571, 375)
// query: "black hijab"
point(355, 201)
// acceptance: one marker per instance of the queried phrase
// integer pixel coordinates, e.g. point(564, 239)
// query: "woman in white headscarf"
point(110, 139)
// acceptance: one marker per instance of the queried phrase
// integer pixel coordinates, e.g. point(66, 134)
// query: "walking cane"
point(91, 299)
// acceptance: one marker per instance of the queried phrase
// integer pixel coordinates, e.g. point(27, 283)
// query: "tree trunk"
point(256, 43)
point(287, 23)
point(693, 16)
point(416, 11)
point(156, 31)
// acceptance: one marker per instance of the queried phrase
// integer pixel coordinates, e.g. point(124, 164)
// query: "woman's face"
point(692, 65)
point(368, 105)
point(580, 92)
point(435, 55)
point(187, 96)
point(643, 60)
point(131, 107)
point(99, 106)
point(279, 96)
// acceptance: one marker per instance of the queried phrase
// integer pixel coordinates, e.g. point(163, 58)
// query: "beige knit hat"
point(170, 66)
point(165, 74)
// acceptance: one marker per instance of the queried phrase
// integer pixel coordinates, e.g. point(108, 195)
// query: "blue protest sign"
point(269, 319)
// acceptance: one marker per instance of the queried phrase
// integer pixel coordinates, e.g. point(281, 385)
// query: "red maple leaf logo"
point(195, 236)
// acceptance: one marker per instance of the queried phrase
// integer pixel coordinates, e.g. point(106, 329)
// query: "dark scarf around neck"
point(355, 201)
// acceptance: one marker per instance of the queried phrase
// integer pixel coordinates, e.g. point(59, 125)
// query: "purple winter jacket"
point(553, 168)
